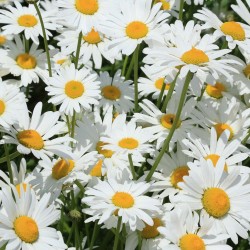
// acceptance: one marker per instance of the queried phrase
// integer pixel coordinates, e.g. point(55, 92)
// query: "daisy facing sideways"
point(25, 221)
point(127, 200)
point(217, 195)
point(33, 134)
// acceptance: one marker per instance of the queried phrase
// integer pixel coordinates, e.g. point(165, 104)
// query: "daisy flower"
point(61, 59)
point(242, 10)
point(4, 38)
point(29, 65)
point(216, 148)
point(93, 45)
point(33, 135)
point(73, 89)
point(186, 231)
point(25, 19)
point(84, 15)
point(25, 221)
point(219, 196)
point(170, 171)
point(126, 138)
point(236, 33)
point(131, 23)
point(159, 123)
point(127, 200)
point(192, 53)
point(12, 101)
point(167, 5)
point(116, 92)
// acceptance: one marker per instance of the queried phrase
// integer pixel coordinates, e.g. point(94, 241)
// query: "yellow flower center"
point(26, 61)
point(128, 143)
point(92, 37)
point(160, 82)
point(214, 158)
point(216, 202)
point(87, 7)
point(195, 56)
point(221, 127)
point(62, 168)
point(246, 71)
point(97, 169)
point(192, 242)
point(2, 107)
point(234, 30)
point(107, 153)
point(111, 92)
point(27, 21)
point(61, 61)
point(177, 175)
point(165, 4)
point(30, 139)
point(136, 30)
point(216, 90)
point(167, 121)
point(18, 188)
point(26, 229)
point(2, 40)
point(74, 89)
point(150, 232)
point(123, 200)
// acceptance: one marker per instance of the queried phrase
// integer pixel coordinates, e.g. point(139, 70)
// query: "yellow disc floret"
point(2, 107)
point(27, 21)
point(26, 229)
point(221, 127)
point(30, 139)
point(234, 30)
point(123, 200)
point(107, 153)
point(160, 82)
point(87, 7)
point(165, 4)
point(128, 143)
point(216, 202)
point(2, 40)
point(97, 169)
point(26, 61)
point(246, 71)
point(195, 56)
point(214, 158)
point(92, 37)
point(136, 30)
point(150, 232)
point(74, 89)
point(111, 92)
point(167, 121)
point(216, 91)
point(191, 242)
point(178, 174)
point(62, 168)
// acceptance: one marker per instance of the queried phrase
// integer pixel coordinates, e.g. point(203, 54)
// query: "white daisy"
point(116, 92)
point(74, 89)
point(33, 135)
point(222, 197)
point(242, 10)
point(132, 22)
point(29, 65)
point(61, 59)
point(127, 200)
point(12, 102)
point(236, 33)
point(25, 19)
point(25, 221)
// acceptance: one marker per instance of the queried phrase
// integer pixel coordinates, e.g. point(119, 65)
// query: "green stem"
point(117, 233)
point(6, 151)
point(80, 186)
point(44, 38)
point(173, 128)
point(77, 238)
point(93, 236)
point(78, 49)
point(27, 46)
point(181, 10)
point(71, 233)
point(124, 65)
point(161, 95)
point(132, 166)
point(136, 62)
point(73, 124)
point(202, 92)
point(130, 68)
point(11, 157)
point(169, 94)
